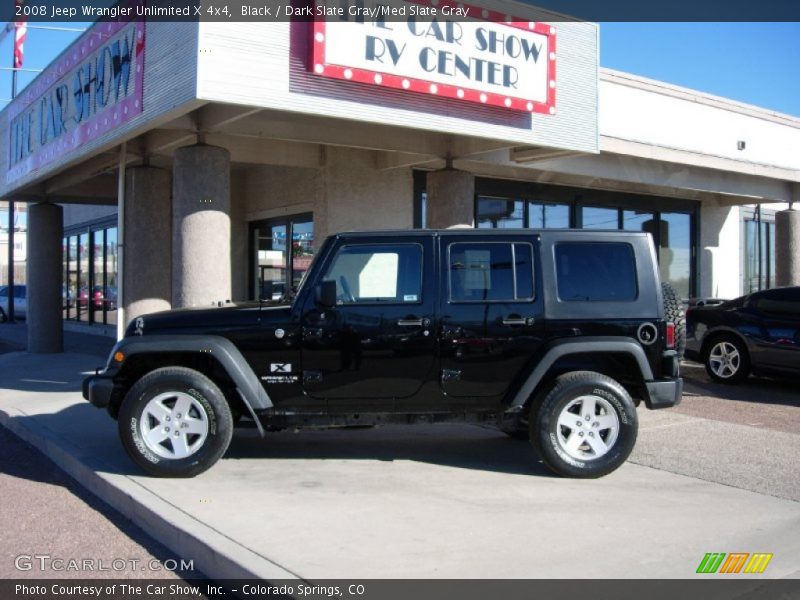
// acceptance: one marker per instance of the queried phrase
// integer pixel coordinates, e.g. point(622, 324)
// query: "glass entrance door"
point(281, 252)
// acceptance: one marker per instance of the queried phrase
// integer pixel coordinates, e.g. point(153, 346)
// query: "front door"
point(491, 314)
point(378, 343)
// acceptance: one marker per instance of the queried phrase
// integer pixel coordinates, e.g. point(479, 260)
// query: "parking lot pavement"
point(757, 402)
point(746, 436)
point(435, 501)
point(36, 494)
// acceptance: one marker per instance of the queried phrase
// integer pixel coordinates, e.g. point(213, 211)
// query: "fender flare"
point(223, 350)
point(721, 330)
point(561, 348)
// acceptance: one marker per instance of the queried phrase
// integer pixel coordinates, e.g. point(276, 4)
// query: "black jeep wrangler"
point(553, 335)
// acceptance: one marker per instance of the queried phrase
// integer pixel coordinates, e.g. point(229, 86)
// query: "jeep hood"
point(208, 320)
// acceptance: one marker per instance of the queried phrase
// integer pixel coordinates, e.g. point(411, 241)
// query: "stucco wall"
point(348, 192)
point(232, 52)
point(631, 108)
point(357, 195)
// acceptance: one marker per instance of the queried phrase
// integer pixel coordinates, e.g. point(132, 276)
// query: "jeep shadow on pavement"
point(554, 336)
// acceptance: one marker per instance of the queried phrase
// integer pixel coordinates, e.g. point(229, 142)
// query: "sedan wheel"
point(727, 361)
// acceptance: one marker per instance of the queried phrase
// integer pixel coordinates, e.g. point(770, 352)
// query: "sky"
point(756, 63)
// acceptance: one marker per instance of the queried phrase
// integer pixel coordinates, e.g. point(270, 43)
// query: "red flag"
point(19, 39)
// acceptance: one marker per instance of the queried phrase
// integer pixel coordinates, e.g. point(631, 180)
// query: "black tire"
point(739, 369)
point(675, 313)
point(546, 434)
point(192, 386)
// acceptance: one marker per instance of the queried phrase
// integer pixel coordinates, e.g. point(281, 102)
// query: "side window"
point(780, 303)
point(595, 272)
point(490, 272)
point(378, 273)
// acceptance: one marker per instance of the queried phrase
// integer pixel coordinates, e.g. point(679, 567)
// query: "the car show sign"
point(438, 48)
point(95, 86)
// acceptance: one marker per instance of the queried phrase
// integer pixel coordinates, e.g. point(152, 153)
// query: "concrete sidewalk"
point(438, 501)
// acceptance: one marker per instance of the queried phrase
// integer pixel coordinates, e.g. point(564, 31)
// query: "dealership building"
point(189, 164)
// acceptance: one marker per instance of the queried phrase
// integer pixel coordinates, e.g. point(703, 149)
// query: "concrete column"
point(787, 247)
point(201, 226)
point(45, 278)
point(451, 199)
point(148, 242)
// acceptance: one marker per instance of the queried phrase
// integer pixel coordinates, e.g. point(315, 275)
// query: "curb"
point(215, 555)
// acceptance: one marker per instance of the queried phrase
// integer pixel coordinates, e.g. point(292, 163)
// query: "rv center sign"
point(497, 59)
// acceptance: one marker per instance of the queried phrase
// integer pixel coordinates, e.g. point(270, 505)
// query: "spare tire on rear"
point(674, 313)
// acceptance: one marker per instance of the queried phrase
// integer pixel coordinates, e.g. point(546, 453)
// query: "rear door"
point(377, 345)
point(778, 313)
point(491, 314)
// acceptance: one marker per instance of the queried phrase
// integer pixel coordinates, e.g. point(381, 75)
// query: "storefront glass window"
point(499, 213)
point(97, 296)
point(270, 261)
point(64, 271)
point(72, 277)
point(502, 213)
point(302, 250)
point(273, 242)
point(635, 220)
point(89, 291)
point(759, 260)
point(675, 251)
point(599, 218)
point(84, 291)
point(543, 215)
point(110, 295)
point(669, 221)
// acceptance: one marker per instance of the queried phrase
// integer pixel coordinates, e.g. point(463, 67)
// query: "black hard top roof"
point(469, 231)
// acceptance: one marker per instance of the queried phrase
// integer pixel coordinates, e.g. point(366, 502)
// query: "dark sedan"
point(758, 333)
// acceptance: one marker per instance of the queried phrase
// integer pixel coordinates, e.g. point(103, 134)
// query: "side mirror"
point(325, 293)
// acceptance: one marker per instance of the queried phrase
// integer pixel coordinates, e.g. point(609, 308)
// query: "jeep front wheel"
point(175, 422)
point(584, 425)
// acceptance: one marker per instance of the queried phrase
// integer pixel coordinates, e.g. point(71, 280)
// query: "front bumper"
point(98, 388)
point(664, 393)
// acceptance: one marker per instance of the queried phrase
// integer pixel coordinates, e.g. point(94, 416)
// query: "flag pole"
point(20, 32)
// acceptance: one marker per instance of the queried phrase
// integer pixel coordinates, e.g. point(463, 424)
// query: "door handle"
point(410, 323)
point(516, 321)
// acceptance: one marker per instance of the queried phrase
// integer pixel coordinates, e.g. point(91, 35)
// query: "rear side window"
point(491, 271)
point(595, 272)
point(779, 303)
point(366, 274)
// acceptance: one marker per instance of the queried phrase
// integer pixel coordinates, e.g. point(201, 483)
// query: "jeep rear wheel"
point(175, 422)
point(584, 425)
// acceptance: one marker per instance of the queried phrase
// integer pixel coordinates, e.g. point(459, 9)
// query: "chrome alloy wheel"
point(724, 360)
point(174, 425)
point(587, 427)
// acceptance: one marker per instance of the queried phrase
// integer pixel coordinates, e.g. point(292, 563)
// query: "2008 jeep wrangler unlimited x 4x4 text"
point(549, 334)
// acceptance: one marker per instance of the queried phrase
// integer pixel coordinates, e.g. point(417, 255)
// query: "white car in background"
point(20, 302)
